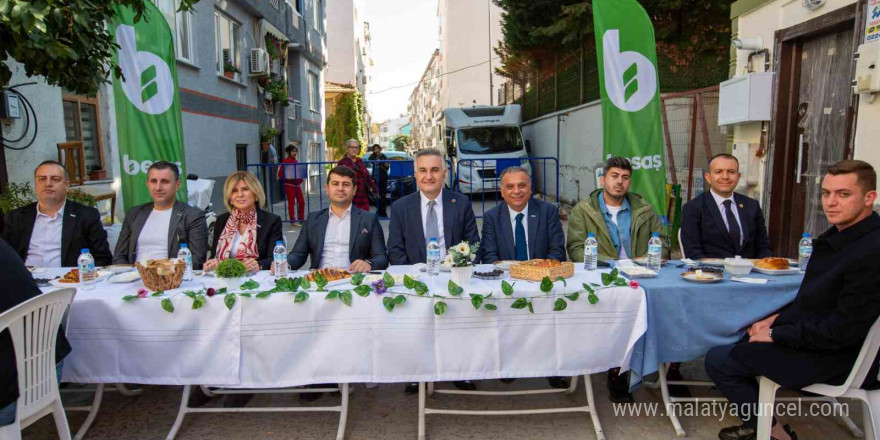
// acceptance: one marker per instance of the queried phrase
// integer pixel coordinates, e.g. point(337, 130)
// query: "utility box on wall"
point(745, 98)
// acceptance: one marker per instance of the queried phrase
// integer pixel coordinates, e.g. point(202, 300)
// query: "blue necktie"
point(522, 252)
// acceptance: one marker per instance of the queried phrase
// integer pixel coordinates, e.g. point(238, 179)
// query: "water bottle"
point(655, 252)
point(805, 249)
point(279, 259)
point(87, 273)
point(186, 255)
point(591, 252)
point(433, 252)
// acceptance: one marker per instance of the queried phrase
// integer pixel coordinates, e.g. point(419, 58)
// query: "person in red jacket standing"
point(292, 185)
point(352, 149)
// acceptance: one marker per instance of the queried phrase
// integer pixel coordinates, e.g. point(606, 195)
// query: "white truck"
point(481, 141)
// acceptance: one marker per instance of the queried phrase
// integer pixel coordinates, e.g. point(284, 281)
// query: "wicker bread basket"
point(536, 270)
point(164, 274)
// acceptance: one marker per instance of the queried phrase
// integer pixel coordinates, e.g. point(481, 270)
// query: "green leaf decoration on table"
point(229, 300)
point(320, 281)
point(477, 300)
point(408, 282)
point(332, 295)
point(454, 289)
point(531, 308)
point(388, 302)
point(287, 284)
point(129, 297)
point(593, 298)
point(262, 295)
point(573, 296)
point(222, 291)
point(357, 279)
point(388, 279)
point(490, 307)
point(249, 285)
point(300, 296)
point(620, 282)
point(588, 288)
point(167, 305)
point(607, 279)
point(559, 305)
point(363, 290)
point(420, 288)
point(614, 273)
point(507, 288)
point(520, 303)
point(399, 299)
point(305, 284)
point(199, 301)
point(158, 293)
point(564, 284)
point(345, 297)
point(440, 308)
point(245, 294)
point(546, 285)
point(190, 294)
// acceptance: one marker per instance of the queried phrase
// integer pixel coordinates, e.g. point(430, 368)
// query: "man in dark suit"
point(721, 223)
point(18, 287)
point(431, 212)
point(816, 338)
point(521, 228)
point(52, 231)
point(342, 235)
point(165, 223)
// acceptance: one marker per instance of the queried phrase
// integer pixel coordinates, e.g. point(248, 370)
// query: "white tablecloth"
point(274, 342)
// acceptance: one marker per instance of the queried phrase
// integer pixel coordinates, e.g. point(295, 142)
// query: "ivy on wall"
point(346, 122)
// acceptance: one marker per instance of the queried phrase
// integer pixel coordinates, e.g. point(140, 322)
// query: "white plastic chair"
point(849, 389)
point(680, 246)
point(34, 325)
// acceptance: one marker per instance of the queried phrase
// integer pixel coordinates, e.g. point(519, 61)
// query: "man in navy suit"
point(341, 236)
point(521, 228)
point(721, 223)
point(432, 212)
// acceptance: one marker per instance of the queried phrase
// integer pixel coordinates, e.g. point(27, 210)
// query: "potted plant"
point(230, 69)
point(231, 273)
point(460, 258)
point(97, 172)
point(278, 91)
point(266, 135)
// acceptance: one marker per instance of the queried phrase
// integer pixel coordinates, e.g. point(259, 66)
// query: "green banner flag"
point(631, 124)
point(148, 122)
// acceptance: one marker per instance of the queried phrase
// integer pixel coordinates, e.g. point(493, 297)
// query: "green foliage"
point(249, 285)
point(267, 133)
point(66, 41)
point(231, 268)
point(18, 195)
point(401, 141)
point(346, 122)
point(278, 91)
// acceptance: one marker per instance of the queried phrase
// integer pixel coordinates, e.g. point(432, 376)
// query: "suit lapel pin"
point(452, 201)
point(740, 206)
point(365, 231)
point(533, 216)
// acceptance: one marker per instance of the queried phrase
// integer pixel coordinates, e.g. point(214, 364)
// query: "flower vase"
point(462, 276)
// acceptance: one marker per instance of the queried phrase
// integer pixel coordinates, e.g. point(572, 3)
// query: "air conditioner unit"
point(259, 61)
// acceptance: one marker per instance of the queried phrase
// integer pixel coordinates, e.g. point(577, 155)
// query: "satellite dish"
point(813, 4)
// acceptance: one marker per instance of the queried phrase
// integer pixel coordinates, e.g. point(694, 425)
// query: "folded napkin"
point(750, 280)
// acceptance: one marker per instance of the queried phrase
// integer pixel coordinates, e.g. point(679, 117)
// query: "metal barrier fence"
point(476, 178)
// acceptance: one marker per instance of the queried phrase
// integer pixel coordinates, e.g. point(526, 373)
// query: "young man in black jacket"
point(817, 337)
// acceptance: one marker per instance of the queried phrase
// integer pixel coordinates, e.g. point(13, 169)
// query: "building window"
point(241, 157)
point(314, 92)
point(319, 15)
point(82, 122)
point(226, 39)
point(180, 24)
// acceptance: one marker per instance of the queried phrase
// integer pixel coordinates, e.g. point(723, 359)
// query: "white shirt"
point(438, 208)
point(525, 223)
point(45, 245)
point(236, 240)
point(153, 241)
point(720, 202)
point(336, 239)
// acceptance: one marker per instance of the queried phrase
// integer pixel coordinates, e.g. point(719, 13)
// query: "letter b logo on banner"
point(148, 84)
point(630, 77)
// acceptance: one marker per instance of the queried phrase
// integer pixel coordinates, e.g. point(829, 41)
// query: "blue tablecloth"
point(686, 319)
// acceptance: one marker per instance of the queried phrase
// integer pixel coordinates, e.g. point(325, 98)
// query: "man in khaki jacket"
point(623, 223)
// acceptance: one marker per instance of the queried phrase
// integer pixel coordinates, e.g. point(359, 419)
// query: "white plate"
point(693, 278)
point(793, 271)
point(637, 272)
point(102, 275)
point(121, 268)
point(422, 267)
point(125, 277)
point(504, 264)
point(643, 261)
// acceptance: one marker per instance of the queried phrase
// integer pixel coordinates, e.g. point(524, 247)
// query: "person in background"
point(246, 232)
point(721, 223)
point(380, 176)
point(155, 230)
point(817, 337)
point(363, 181)
point(623, 224)
point(292, 185)
point(52, 231)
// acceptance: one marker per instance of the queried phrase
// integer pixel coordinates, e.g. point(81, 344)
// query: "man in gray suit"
point(341, 236)
point(156, 230)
